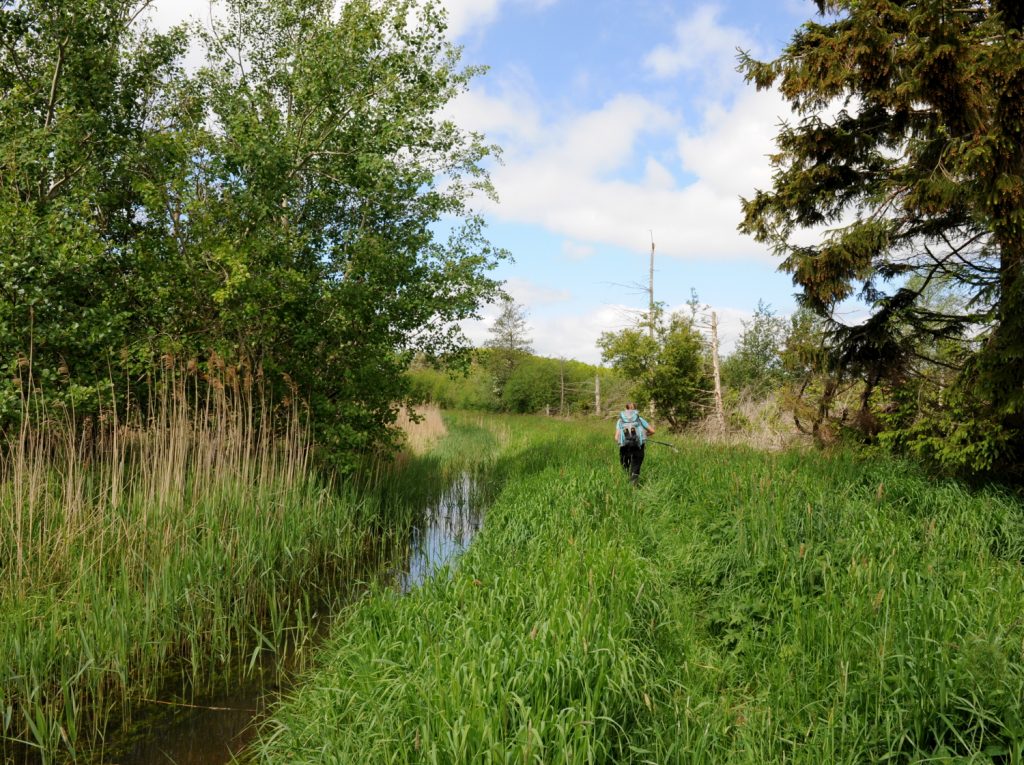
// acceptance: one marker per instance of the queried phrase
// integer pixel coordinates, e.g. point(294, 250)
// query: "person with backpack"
point(631, 431)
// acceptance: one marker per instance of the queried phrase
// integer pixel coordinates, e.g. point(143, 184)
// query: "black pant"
point(631, 457)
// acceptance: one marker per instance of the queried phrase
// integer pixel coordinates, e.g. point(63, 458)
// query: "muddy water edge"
point(216, 728)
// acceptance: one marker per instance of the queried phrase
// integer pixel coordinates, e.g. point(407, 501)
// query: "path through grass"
point(737, 607)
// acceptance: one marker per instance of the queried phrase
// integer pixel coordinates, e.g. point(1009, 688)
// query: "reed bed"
point(422, 427)
point(169, 549)
point(740, 606)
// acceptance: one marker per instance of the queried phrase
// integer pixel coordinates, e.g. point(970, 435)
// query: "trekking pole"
point(663, 443)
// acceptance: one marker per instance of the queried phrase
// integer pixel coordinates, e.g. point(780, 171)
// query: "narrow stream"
point(217, 729)
point(450, 526)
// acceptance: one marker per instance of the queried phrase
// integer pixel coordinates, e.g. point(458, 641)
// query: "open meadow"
point(286, 287)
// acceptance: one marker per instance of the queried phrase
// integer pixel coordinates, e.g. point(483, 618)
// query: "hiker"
point(631, 431)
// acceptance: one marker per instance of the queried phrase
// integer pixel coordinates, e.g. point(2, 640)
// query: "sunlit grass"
point(738, 607)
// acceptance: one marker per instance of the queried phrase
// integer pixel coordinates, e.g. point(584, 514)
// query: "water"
point(191, 735)
point(450, 526)
point(216, 730)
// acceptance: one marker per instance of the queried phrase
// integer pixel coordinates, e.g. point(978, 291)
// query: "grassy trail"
point(736, 607)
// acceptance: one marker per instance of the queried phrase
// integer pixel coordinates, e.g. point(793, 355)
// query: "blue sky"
point(618, 119)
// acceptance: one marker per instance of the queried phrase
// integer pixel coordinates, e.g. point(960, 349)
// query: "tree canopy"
point(509, 342)
point(666, 362)
point(909, 149)
point(756, 363)
point(275, 210)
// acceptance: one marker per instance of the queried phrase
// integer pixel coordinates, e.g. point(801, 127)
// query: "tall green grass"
point(172, 550)
point(737, 607)
point(836, 609)
point(536, 647)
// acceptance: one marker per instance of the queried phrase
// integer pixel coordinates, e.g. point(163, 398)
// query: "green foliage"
point(956, 434)
point(560, 386)
point(536, 384)
point(470, 388)
point(756, 363)
point(537, 647)
point(667, 366)
point(276, 210)
point(533, 386)
point(908, 144)
point(509, 343)
point(738, 607)
point(80, 91)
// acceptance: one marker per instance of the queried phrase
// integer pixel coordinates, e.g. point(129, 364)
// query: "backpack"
point(632, 431)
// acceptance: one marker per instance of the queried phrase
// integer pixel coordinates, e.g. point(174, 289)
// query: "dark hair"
point(630, 405)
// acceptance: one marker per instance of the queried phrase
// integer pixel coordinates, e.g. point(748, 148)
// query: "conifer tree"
point(909, 147)
point(509, 342)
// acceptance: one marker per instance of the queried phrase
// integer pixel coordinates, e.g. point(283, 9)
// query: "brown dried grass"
point(762, 424)
point(422, 427)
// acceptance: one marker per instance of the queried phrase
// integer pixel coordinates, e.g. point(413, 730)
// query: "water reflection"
point(450, 526)
point(213, 733)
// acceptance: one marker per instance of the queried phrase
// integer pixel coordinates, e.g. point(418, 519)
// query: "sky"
point(619, 121)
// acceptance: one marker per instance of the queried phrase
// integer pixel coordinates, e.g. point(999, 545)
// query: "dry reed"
point(422, 427)
point(127, 541)
point(761, 424)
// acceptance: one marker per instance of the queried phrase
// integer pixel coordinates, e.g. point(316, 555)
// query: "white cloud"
point(511, 115)
point(577, 250)
point(701, 45)
point(465, 16)
point(574, 336)
point(566, 174)
point(529, 294)
point(164, 14)
point(565, 177)
point(730, 152)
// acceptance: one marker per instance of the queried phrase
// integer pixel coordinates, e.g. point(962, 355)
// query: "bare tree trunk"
point(650, 318)
point(824, 404)
point(597, 394)
point(650, 294)
point(719, 409)
point(561, 377)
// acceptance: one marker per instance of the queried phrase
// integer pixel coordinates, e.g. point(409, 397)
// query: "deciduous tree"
point(756, 363)
point(277, 208)
point(81, 86)
point(668, 369)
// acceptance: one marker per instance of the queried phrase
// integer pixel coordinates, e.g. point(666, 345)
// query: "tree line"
point(504, 375)
point(270, 215)
point(903, 166)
